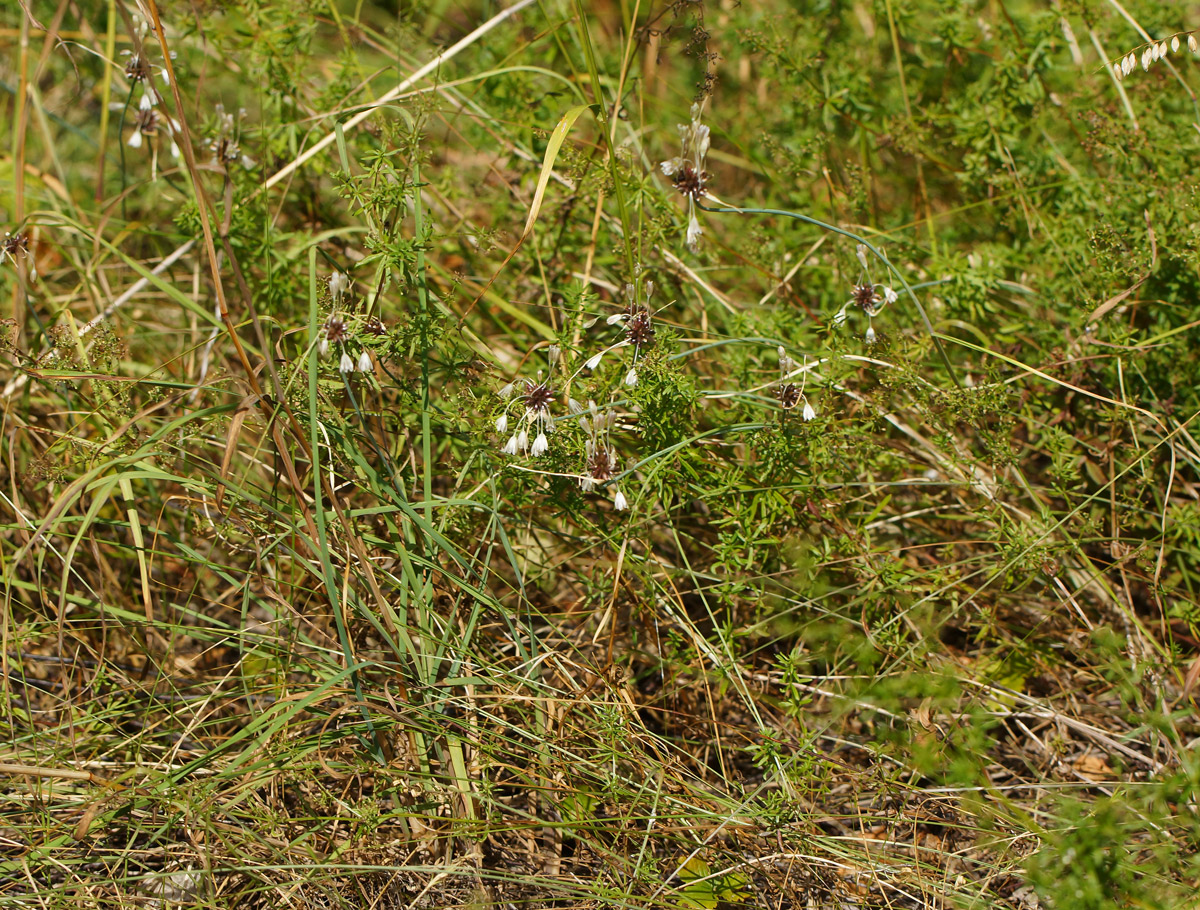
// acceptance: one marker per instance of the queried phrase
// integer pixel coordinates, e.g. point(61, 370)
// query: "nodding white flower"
point(840, 316)
point(1175, 44)
point(347, 363)
point(687, 170)
point(809, 412)
point(693, 233)
point(889, 295)
point(620, 503)
point(1146, 58)
point(631, 377)
point(323, 346)
point(502, 423)
point(339, 283)
point(593, 361)
point(364, 362)
point(870, 336)
point(616, 317)
point(540, 444)
point(510, 447)
point(506, 391)
point(574, 407)
point(135, 141)
point(523, 440)
point(1162, 50)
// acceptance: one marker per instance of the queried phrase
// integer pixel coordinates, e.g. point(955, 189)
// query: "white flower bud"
point(870, 334)
point(616, 317)
point(593, 361)
point(1175, 44)
point(1193, 45)
point(540, 444)
point(554, 352)
point(631, 377)
point(808, 413)
point(502, 423)
point(135, 141)
point(364, 362)
point(323, 347)
point(620, 503)
point(861, 252)
point(347, 363)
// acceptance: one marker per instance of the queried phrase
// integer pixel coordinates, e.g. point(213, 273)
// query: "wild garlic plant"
point(534, 400)
point(867, 295)
point(788, 392)
point(687, 172)
point(339, 333)
point(600, 457)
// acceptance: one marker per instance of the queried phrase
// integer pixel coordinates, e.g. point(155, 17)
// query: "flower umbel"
point(140, 71)
point(687, 171)
point(538, 397)
point(14, 245)
point(599, 456)
point(788, 393)
point(148, 123)
point(637, 322)
point(226, 145)
point(867, 295)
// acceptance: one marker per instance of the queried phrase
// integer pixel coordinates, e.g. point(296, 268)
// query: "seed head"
point(788, 395)
point(538, 397)
point(866, 297)
point(639, 329)
point(335, 330)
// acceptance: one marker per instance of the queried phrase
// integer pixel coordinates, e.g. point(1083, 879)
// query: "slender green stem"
point(602, 117)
